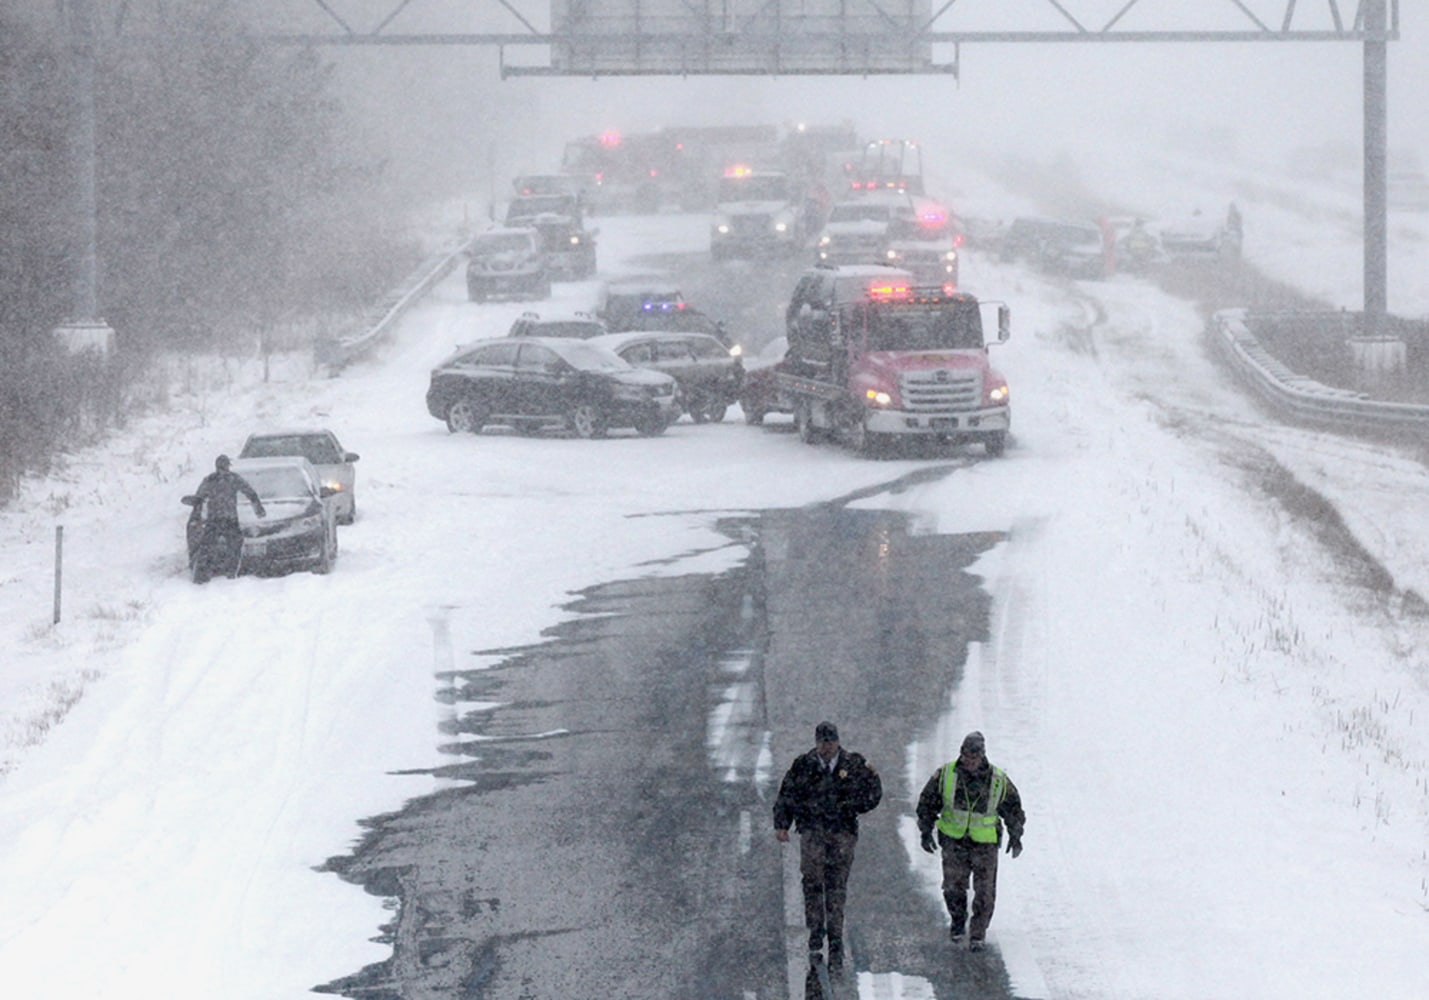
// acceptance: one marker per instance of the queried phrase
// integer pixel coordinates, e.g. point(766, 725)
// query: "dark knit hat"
point(826, 732)
point(974, 743)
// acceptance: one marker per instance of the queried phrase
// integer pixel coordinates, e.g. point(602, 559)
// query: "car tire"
point(715, 412)
point(804, 423)
point(753, 416)
point(995, 444)
point(466, 416)
point(587, 421)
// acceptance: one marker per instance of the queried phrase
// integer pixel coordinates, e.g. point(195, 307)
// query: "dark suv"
point(507, 261)
point(549, 383)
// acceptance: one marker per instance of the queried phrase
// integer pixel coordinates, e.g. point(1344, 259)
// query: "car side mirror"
point(351, 456)
point(327, 491)
point(190, 501)
point(1004, 323)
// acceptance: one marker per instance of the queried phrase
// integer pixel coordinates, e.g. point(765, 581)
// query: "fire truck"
point(874, 357)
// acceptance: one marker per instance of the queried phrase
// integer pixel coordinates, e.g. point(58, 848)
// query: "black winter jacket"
point(813, 798)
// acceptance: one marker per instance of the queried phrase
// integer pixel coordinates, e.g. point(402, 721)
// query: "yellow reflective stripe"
point(981, 827)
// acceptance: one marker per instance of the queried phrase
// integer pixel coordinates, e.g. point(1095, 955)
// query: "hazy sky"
point(445, 111)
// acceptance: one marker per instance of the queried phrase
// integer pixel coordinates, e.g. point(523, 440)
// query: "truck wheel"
point(753, 415)
point(804, 423)
point(714, 412)
point(864, 442)
point(995, 444)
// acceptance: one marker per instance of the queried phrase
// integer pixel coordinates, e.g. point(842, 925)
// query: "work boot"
point(975, 944)
point(956, 932)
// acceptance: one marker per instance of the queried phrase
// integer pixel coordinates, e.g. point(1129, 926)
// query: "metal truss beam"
point(504, 23)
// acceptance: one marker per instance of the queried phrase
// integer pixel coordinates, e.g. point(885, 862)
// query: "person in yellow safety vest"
point(967, 801)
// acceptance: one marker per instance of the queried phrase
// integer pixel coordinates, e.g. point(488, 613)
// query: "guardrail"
point(336, 353)
point(1233, 335)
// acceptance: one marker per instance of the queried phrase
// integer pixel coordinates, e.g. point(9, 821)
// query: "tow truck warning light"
point(738, 170)
point(610, 138)
point(889, 291)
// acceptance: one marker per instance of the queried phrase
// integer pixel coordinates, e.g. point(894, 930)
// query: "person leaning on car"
point(220, 489)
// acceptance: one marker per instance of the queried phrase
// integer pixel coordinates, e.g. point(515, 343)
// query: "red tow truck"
point(874, 357)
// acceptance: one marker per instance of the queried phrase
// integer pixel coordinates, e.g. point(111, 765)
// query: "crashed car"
point(299, 529)
point(532, 384)
point(333, 462)
point(759, 394)
point(709, 373)
point(506, 261)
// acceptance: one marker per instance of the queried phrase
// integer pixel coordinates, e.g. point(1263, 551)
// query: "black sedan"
point(299, 530)
point(549, 383)
point(710, 374)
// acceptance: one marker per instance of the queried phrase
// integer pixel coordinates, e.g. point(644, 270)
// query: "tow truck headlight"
point(825, 240)
point(997, 394)
point(950, 255)
point(877, 397)
point(891, 254)
point(575, 241)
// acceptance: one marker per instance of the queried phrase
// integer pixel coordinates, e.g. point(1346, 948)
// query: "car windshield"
point(501, 243)
point(753, 189)
point(925, 328)
point(283, 482)
point(316, 448)
point(591, 357)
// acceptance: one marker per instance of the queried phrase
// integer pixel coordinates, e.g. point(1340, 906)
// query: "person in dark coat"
point(966, 802)
point(822, 795)
point(219, 492)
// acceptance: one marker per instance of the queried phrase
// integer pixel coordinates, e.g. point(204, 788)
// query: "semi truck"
point(874, 357)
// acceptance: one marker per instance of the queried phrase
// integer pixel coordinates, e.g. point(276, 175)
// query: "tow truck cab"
point(873, 355)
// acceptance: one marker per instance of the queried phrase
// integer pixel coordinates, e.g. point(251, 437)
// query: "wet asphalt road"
point(597, 844)
point(606, 833)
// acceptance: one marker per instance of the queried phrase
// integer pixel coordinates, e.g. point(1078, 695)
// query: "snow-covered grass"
point(1219, 731)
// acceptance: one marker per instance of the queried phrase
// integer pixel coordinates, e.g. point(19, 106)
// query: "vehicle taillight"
point(610, 138)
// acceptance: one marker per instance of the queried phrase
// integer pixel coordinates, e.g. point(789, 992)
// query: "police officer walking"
point(967, 800)
point(822, 795)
